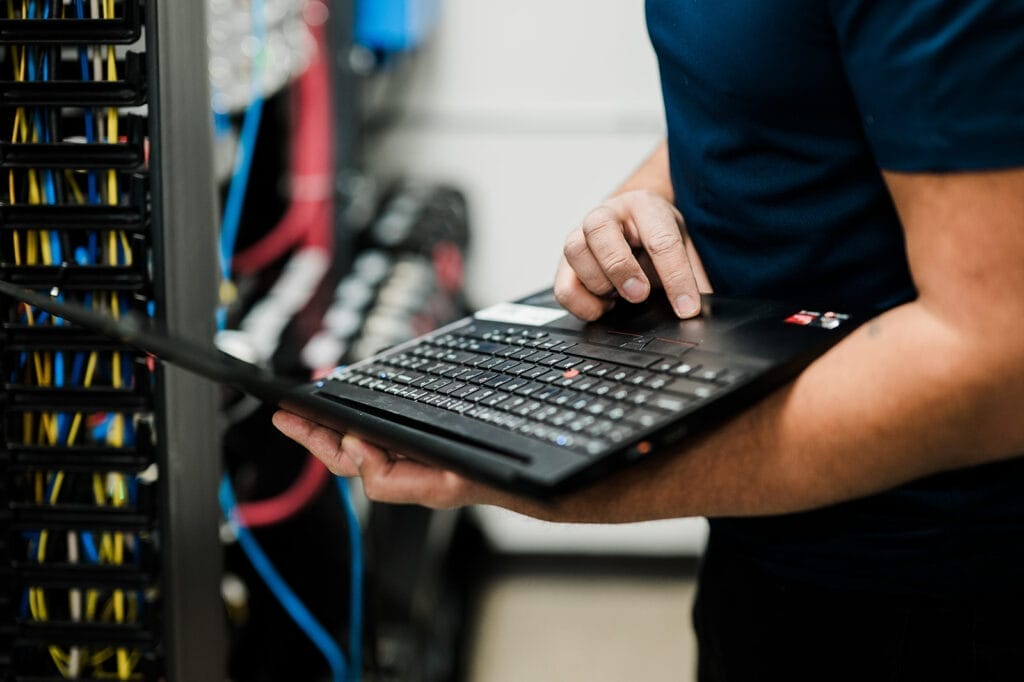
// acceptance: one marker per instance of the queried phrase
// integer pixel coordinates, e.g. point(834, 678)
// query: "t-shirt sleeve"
point(939, 83)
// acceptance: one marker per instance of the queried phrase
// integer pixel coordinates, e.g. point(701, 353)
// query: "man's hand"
point(630, 244)
point(394, 478)
point(388, 477)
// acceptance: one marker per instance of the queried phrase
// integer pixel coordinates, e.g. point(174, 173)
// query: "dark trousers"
point(752, 626)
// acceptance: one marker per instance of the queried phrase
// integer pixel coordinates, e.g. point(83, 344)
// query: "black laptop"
point(525, 396)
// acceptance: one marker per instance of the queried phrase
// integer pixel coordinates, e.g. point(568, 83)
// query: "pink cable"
point(309, 220)
point(310, 214)
point(282, 507)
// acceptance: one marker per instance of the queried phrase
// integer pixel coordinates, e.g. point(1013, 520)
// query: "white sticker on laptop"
point(517, 313)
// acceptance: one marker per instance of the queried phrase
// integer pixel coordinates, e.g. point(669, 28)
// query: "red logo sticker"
point(802, 319)
point(812, 318)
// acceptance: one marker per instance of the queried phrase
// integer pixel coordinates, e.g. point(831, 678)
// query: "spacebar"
point(613, 355)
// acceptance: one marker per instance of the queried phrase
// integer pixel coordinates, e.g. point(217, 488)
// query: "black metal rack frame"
point(171, 214)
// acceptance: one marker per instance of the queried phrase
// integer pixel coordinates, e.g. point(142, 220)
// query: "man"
point(867, 520)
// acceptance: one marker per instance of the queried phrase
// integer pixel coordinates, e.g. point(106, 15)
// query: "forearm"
point(903, 397)
point(653, 175)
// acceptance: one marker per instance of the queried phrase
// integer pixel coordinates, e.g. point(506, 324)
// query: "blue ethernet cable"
point(355, 639)
point(246, 147)
point(280, 589)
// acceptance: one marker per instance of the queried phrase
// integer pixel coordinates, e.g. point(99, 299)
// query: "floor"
point(603, 626)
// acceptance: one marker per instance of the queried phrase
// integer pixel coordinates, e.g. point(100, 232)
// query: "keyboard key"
point(643, 418)
point(670, 403)
point(564, 397)
point(505, 366)
point(407, 377)
point(521, 368)
point(547, 392)
point(443, 401)
point(706, 373)
point(511, 403)
point(581, 423)
point(553, 360)
point(491, 363)
point(494, 399)
point(619, 374)
point(619, 434)
point(692, 388)
point(564, 440)
point(522, 354)
point(568, 363)
point(562, 418)
point(514, 385)
point(481, 394)
point(537, 371)
point(451, 388)
point(665, 365)
point(616, 413)
point(528, 408)
point(621, 393)
point(487, 347)
point(657, 382)
point(640, 397)
point(551, 376)
point(530, 388)
point(437, 383)
point(470, 374)
point(459, 357)
point(580, 403)
point(544, 413)
point(465, 391)
point(730, 377)
point(498, 380)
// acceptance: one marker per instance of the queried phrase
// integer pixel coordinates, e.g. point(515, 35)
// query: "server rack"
point(109, 554)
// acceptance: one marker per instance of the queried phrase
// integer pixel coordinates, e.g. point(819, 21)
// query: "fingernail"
point(687, 306)
point(634, 290)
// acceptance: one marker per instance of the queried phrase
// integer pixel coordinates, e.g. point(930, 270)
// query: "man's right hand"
point(629, 245)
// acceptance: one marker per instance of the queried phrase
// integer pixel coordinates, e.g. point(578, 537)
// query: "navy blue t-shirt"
point(780, 114)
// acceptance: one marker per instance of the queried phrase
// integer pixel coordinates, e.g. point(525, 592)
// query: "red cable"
point(309, 220)
point(310, 214)
point(282, 507)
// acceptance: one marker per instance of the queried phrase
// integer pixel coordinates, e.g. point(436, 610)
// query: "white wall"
point(536, 109)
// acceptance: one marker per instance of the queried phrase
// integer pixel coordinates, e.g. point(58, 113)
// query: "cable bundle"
point(77, 446)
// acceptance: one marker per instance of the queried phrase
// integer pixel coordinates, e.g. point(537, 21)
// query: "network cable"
point(291, 603)
point(58, 369)
point(355, 647)
point(228, 236)
point(243, 162)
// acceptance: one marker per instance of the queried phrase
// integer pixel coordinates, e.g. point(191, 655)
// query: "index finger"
point(661, 234)
point(322, 443)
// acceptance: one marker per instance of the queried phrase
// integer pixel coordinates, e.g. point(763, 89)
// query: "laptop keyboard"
point(577, 395)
